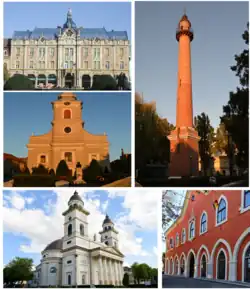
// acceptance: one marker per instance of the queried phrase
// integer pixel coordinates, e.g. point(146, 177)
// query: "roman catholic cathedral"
point(67, 140)
point(76, 258)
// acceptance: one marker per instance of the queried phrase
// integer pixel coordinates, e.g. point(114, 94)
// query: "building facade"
point(184, 139)
point(76, 259)
point(211, 238)
point(67, 140)
point(67, 56)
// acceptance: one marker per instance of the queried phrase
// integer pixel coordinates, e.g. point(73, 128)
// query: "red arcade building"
point(211, 237)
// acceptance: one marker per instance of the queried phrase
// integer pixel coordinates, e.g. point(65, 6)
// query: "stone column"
point(210, 270)
point(117, 273)
point(232, 276)
point(110, 272)
point(101, 271)
point(121, 271)
point(106, 271)
point(195, 269)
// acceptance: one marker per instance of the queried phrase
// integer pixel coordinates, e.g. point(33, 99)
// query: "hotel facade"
point(67, 56)
point(211, 238)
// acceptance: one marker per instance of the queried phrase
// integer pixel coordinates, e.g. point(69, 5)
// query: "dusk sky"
point(33, 219)
point(27, 113)
point(218, 29)
point(117, 15)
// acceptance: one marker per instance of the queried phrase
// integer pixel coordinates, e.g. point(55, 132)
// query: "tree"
point(235, 117)
point(6, 73)
point(152, 130)
point(122, 82)
point(125, 280)
point(221, 140)
point(91, 173)
point(19, 82)
point(134, 268)
point(103, 82)
point(206, 134)
point(18, 270)
point(170, 210)
point(40, 170)
point(62, 169)
point(52, 173)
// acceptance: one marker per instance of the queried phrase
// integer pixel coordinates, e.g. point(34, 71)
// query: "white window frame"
point(189, 225)
point(177, 240)
point(242, 208)
point(216, 211)
point(183, 241)
point(204, 212)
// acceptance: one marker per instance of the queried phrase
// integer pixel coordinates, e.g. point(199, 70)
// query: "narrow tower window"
point(82, 229)
point(67, 114)
point(69, 229)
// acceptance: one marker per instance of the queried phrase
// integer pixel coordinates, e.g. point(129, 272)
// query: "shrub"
point(40, 170)
point(19, 82)
point(62, 169)
point(93, 171)
point(33, 181)
point(104, 82)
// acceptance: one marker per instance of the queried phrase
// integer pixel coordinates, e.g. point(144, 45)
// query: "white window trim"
point(224, 221)
point(183, 242)
point(204, 212)
point(177, 244)
point(189, 223)
point(243, 261)
point(225, 253)
point(242, 209)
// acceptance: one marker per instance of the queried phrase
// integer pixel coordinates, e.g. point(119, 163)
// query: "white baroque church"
point(76, 259)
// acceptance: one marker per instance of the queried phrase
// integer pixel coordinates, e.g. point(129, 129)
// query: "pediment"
point(113, 250)
point(69, 33)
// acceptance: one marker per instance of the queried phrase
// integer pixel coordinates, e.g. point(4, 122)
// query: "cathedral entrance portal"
point(69, 80)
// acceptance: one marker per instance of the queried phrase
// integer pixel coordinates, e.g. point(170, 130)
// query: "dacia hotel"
point(67, 56)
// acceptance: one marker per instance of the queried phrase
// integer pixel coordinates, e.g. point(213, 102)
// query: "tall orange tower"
point(184, 139)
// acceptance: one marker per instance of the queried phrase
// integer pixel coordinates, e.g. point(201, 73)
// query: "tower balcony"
point(180, 31)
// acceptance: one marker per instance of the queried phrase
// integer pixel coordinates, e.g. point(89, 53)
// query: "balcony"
point(181, 31)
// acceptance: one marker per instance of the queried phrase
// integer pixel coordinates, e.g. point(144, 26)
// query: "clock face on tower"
point(67, 129)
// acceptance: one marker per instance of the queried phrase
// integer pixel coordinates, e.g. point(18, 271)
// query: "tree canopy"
point(18, 270)
point(143, 272)
point(19, 82)
point(206, 134)
point(235, 117)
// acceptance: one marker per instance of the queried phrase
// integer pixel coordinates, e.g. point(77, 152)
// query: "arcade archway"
point(86, 81)
point(69, 80)
point(191, 265)
point(52, 79)
point(32, 77)
point(41, 79)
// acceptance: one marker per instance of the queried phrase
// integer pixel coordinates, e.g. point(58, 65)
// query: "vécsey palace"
point(67, 56)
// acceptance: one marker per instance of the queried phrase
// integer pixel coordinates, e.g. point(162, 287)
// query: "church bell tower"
point(184, 139)
point(108, 233)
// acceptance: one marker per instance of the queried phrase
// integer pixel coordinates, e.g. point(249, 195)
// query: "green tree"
point(152, 130)
point(40, 170)
point(19, 82)
point(206, 134)
point(103, 82)
point(93, 171)
point(235, 115)
point(18, 270)
point(62, 169)
point(52, 173)
point(221, 140)
point(6, 73)
point(134, 268)
point(125, 280)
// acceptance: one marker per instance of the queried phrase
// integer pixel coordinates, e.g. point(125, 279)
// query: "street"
point(182, 282)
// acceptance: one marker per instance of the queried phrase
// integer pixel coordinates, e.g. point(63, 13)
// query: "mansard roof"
point(85, 33)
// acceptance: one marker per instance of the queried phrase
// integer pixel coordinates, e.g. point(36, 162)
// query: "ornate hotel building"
point(67, 56)
point(211, 238)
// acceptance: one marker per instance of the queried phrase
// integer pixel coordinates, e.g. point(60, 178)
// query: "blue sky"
point(117, 15)
point(217, 26)
point(102, 112)
point(33, 219)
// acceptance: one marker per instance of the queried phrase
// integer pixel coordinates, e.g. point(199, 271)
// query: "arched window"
point(247, 265)
point(82, 229)
point(221, 211)
point(69, 229)
point(171, 243)
point(203, 225)
point(69, 279)
point(42, 159)
point(176, 266)
point(67, 114)
point(68, 157)
point(182, 266)
point(221, 266)
point(183, 236)
point(177, 240)
point(191, 230)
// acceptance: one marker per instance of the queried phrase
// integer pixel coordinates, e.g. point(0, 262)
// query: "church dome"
point(55, 245)
point(75, 197)
point(107, 220)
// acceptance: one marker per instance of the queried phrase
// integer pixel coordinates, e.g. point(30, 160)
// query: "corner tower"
point(184, 139)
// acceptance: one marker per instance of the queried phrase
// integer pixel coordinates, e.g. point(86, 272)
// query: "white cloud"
point(42, 227)
point(105, 206)
point(155, 251)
